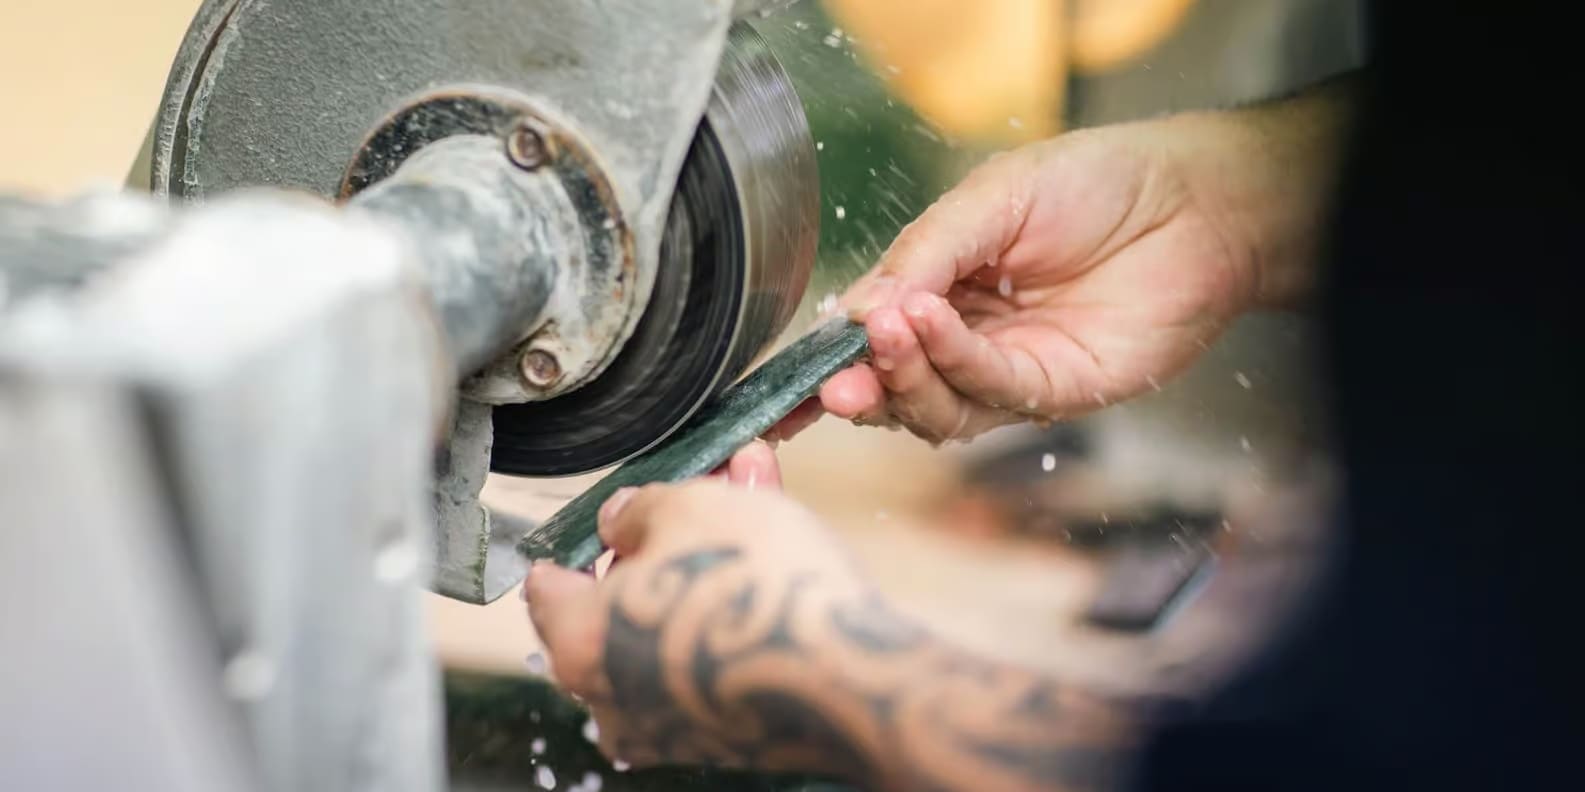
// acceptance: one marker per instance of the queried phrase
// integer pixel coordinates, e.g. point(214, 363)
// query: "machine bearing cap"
point(584, 323)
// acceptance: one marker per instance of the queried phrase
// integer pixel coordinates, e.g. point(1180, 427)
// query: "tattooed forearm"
point(811, 674)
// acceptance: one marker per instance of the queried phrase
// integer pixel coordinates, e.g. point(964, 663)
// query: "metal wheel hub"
point(294, 92)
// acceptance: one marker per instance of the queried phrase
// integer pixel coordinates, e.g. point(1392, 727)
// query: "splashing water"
point(1048, 462)
point(591, 731)
point(535, 662)
point(1243, 380)
point(842, 213)
point(537, 747)
point(545, 777)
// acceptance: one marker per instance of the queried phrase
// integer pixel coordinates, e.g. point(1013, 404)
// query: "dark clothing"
point(1441, 655)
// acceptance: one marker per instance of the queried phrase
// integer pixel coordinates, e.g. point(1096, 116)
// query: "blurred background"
point(1141, 548)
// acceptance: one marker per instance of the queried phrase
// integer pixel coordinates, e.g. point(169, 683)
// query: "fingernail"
point(614, 504)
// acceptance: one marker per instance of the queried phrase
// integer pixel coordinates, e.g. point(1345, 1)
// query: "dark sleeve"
point(1439, 651)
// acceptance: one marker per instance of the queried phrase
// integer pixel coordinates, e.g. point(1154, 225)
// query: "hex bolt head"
point(540, 369)
point(525, 146)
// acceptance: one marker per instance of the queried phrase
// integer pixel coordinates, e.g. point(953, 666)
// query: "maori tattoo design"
point(711, 664)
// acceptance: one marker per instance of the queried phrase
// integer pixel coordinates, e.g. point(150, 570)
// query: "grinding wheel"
point(735, 260)
point(285, 93)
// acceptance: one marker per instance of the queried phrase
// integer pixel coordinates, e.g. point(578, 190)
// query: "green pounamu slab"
point(744, 412)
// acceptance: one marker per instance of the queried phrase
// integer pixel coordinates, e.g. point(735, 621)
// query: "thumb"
point(567, 613)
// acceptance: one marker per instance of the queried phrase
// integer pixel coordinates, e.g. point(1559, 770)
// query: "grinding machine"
point(385, 247)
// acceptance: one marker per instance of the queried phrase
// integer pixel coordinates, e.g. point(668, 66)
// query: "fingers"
point(571, 623)
point(974, 366)
point(802, 417)
point(624, 538)
point(755, 466)
point(854, 394)
point(628, 517)
point(967, 228)
point(917, 394)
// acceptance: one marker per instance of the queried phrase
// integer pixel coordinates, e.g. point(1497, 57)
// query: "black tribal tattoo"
point(709, 664)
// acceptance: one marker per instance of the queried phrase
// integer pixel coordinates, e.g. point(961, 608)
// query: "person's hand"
point(733, 631)
point(1055, 280)
point(1071, 274)
point(715, 587)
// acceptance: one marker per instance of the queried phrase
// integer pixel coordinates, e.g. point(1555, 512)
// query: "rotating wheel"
point(737, 246)
point(734, 262)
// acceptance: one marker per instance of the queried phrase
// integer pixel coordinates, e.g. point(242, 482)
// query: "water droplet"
point(535, 662)
point(1031, 403)
point(820, 145)
point(1153, 383)
point(1048, 462)
point(537, 747)
point(619, 765)
point(591, 731)
point(1105, 520)
point(249, 676)
point(1243, 442)
point(832, 41)
point(533, 715)
point(828, 305)
point(396, 563)
point(842, 213)
point(1004, 286)
point(801, 25)
point(593, 781)
point(1243, 380)
point(893, 68)
point(1015, 122)
point(545, 777)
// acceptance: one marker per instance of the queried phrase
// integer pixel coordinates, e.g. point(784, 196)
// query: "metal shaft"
point(492, 239)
